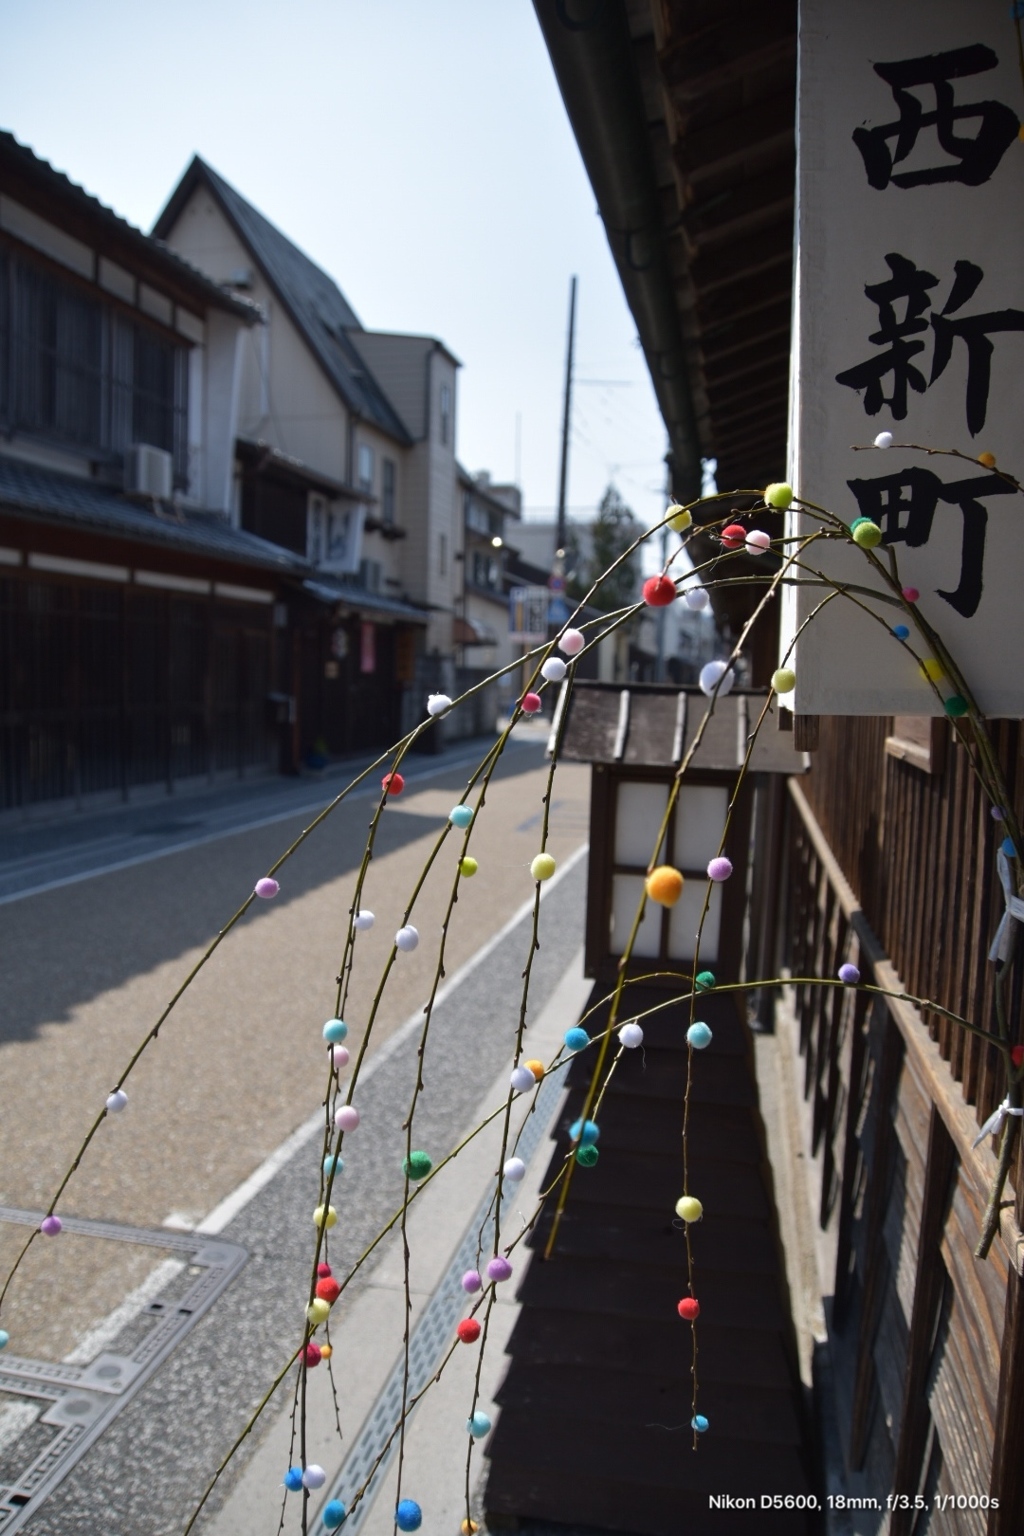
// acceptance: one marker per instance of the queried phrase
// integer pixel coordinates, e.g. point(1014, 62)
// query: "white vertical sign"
point(909, 318)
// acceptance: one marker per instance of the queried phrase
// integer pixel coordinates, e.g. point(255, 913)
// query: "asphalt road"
point(238, 1067)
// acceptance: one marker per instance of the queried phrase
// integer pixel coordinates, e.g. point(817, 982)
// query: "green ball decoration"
point(784, 680)
point(867, 534)
point(705, 980)
point(955, 706)
point(417, 1165)
point(778, 495)
point(587, 1156)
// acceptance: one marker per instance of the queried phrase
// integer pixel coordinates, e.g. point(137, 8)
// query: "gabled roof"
point(312, 298)
point(51, 194)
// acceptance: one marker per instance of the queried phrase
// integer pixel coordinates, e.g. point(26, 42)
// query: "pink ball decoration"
point(911, 594)
point(471, 1282)
point(572, 642)
point(720, 869)
point(50, 1226)
point(346, 1118)
point(266, 888)
point(340, 1056)
point(531, 703)
point(757, 541)
point(499, 1269)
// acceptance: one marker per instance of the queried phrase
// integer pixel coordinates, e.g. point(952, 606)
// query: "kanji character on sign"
point(974, 156)
point(912, 285)
point(904, 506)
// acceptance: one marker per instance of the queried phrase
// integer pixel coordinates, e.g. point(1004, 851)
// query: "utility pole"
point(563, 474)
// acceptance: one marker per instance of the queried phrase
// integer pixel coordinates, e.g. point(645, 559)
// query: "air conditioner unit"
point(148, 471)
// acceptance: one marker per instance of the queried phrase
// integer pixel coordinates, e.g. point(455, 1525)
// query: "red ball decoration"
point(468, 1330)
point(328, 1290)
point(323, 1270)
point(392, 783)
point(911, 594)
point(531, 703)
point(689, 1308)
point(659, 591)
point(734, 536)
point(1017, 1055)
point(313, 1355)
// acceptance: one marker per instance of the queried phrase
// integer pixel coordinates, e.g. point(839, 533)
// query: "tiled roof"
point(19, 162)
point(329, 589)
point(46, 496)
point(312, 298)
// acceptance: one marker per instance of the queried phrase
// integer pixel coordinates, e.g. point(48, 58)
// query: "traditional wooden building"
point(882, 856)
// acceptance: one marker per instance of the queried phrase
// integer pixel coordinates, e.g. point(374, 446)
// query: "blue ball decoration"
point(699, 1423)
point(460, 816)
point(333, 1164)
point(408, 1515)
point(334, 1514)
point(5, 1338)
point(335, 1031)
point(293, 1479)
point(1008, 848)
point(699, 1036)
point(576, 1039)
point(479, 1425)
point(901, 632)
point(585, 1132)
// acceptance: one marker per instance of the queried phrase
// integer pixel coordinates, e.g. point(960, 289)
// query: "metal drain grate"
point(431, 1335)
point(80, 1401)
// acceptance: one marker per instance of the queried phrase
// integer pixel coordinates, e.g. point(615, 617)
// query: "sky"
point(419, 152)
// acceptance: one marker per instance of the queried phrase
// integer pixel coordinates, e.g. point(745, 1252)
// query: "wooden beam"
point(1007, 1462)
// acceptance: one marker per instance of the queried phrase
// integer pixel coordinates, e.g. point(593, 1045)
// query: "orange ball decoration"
point(536, 1067)
point(664, 885)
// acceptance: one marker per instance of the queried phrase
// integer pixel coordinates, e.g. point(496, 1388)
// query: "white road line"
point(214, 837)
point(98, 1338)
point(239, 1198)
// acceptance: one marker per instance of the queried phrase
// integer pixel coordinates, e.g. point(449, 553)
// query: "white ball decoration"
point(522, 1079)
point(717, 674)
point(314, 1476)
point(438, 704)
point(117, 1101)
point(554, 669)
point(883, 440)
point(514, 1170)
point(363, 920)
point(407, 938)
point(631, 1035)
point(696, 599)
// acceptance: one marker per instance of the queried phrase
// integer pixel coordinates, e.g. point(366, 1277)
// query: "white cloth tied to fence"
point(994, 1124)
point(1014, 911)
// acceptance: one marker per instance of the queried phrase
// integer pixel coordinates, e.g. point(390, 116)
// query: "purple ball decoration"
point(471, 1282)
point(499, 1269)
point(50, 1226)
point(997, 813)
point(720, 869)
point(266, 888)
point(849, 975)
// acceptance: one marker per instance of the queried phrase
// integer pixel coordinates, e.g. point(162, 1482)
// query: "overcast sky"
point(417, 151)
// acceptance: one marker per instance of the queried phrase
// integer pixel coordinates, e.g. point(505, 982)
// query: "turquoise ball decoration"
point(335, 1031)
point(478, 1426)
point(587, 1155)
point(901, 632)
point(699, 1423)
point(699, 1036)
point(408, 1515)
point(5, 1338)
point(857, 522)
point(460, 816)
point(293, 1479)
point(576, 1039)
point(333, 1164)
point(334, 1514)
point(584, 1131)
point(705, 980)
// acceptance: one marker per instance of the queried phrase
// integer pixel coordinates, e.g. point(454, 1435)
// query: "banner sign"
point(909, 319)
point(528, 615)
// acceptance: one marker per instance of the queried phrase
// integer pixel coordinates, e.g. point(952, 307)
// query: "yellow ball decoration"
point(542, 867)
point(664, 885)
point(468, 867)
point(867, 534)
point(679, 518)
point(326, 1351)
point(778, 495)
point(988, 459)
point(932, 670)
point(318, 1311)
point(325, 1216)
point(689, 1209)
point(784, 680)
